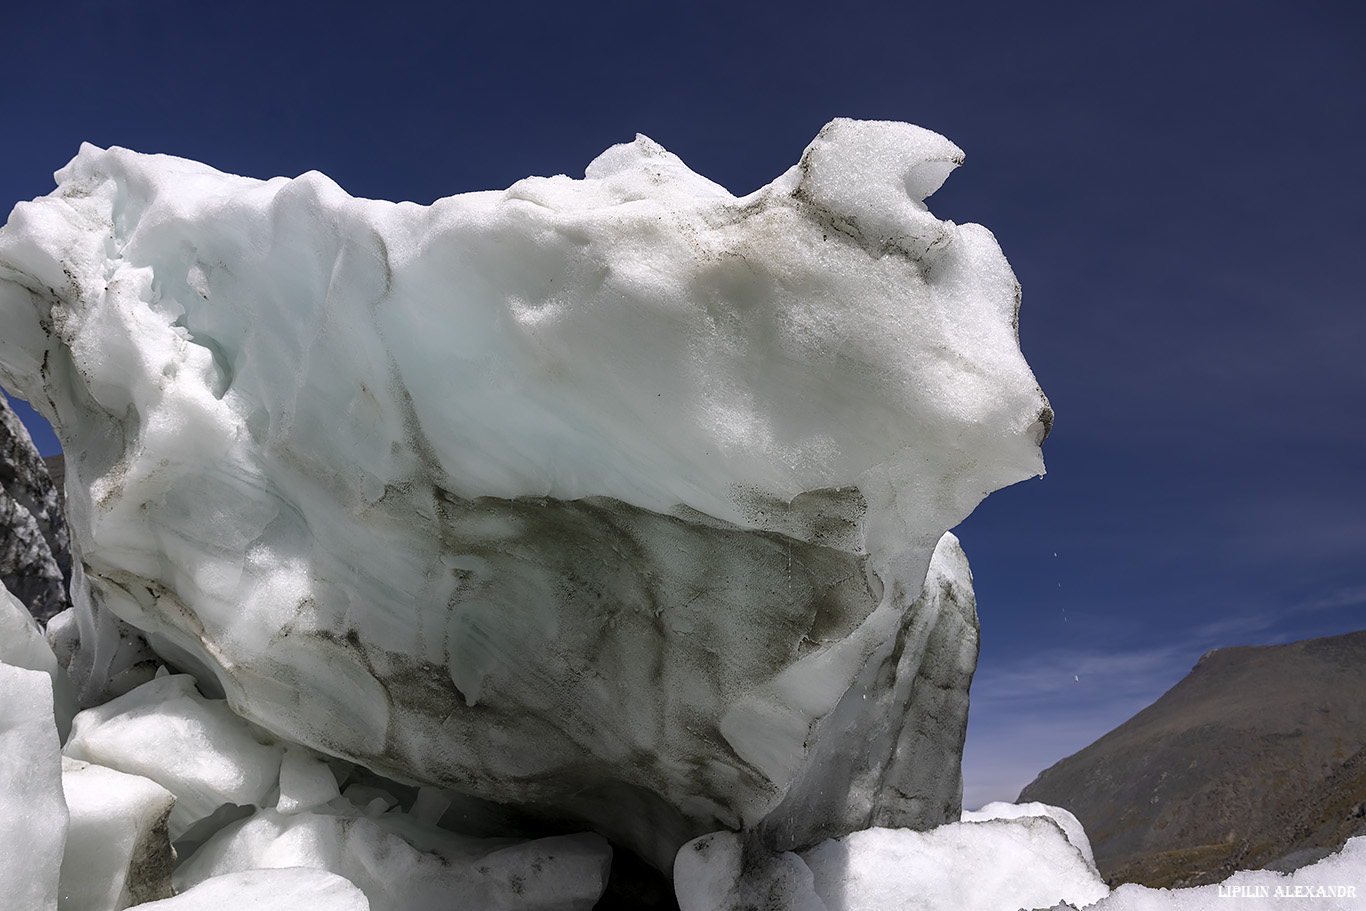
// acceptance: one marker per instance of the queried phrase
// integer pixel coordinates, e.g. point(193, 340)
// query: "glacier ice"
point(22, 645)
point(218, 759)
point(288, 889)
point(612, 499)
point(305, 782)
point(118, 848)
point(1069, 823)
point(1001, 863)
point(617, 503)
point(33, 815)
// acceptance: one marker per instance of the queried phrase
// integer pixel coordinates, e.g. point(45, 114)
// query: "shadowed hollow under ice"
point(614, 506)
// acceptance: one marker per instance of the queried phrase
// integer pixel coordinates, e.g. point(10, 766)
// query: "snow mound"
point(999, 864)
point(1069, 824)
point(291, 889)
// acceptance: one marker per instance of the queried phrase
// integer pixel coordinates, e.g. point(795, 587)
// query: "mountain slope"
point(1256, 759)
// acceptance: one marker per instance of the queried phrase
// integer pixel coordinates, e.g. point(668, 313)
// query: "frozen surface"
point(305, 782)
point(33, 817)
point(195, 748)
point(402, 865)
point(890, 752)
point(994, 865)
point(290, 889)
point(603, 498)
point(1069, 824)
point(118, 849)
point(22, 645)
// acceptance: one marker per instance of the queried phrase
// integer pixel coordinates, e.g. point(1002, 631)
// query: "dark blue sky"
point(1178, 186)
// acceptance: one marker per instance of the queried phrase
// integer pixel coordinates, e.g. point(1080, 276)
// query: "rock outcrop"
point(35, 562)
point(1257, 759)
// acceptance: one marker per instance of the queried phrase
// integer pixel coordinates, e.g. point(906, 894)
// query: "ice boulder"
point(1001, 864)
point(22, 645)
point(118, 848)
point(289, 889)
point(33, 815)
point(610, 499)
point(194, 747)
point(1069, 824)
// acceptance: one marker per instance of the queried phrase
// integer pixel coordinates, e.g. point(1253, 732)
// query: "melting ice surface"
point(588, 510)
point(582, 494)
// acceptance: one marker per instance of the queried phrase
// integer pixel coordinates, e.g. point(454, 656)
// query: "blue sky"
point(1178, 186)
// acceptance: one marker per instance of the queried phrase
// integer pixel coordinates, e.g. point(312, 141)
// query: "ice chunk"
point(405, 866)
point(118, 849)
point(194, 747)
point(33, 816)
point(305, 781)
point(1069, 824)
point(720, 872)
point(22, 645)
point(890, 752)
point(104, 657)
point(288, 889)
point(431, 804)
point(608, 498)
point(864, 181)
point(1025, 862)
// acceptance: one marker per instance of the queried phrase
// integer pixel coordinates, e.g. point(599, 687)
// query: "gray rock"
point(35, 562)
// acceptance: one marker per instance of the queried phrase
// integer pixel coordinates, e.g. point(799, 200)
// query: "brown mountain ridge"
point(1256, 759)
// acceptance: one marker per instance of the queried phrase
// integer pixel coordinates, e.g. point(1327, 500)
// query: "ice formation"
point(617, 503)
point(1069, 823)
point(1003, 863)
point(612, 500)
point(291, 889)
point(118, 848)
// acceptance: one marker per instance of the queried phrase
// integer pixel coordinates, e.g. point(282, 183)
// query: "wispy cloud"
point(1062, 671)
point(1031, 711)
point(1351, 596)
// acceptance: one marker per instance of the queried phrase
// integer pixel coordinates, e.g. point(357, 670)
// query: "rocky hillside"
point(1257, 759)
point(35, 564)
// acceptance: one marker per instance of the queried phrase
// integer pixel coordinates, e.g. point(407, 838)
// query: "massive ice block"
point(612, 498)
